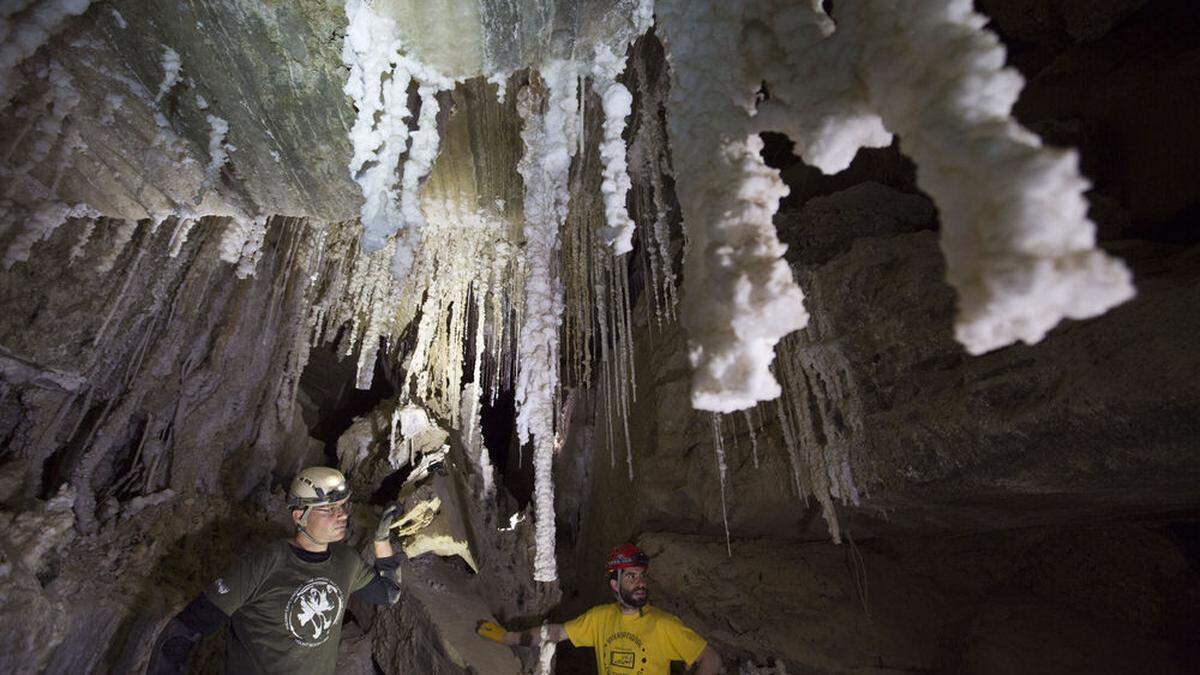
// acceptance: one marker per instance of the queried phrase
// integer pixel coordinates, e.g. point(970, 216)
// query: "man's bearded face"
point(630, 585)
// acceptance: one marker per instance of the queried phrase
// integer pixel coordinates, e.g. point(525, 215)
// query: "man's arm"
point(551, 632)
point(384, 587)
point(708, 663)
point(177, 639)
point(383, 549)
point(209, 610)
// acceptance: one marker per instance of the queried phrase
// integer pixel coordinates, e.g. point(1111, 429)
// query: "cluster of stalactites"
point(389, 163)
point(1020, 250)
point(467, 273)
point(589, 263)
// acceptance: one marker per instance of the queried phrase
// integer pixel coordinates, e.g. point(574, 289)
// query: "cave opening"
point(329, 399)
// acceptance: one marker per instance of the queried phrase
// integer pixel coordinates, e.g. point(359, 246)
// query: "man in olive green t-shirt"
point(285, 601)
point(629, 636)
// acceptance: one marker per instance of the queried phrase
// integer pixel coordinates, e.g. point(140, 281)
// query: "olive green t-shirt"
point(286, 613)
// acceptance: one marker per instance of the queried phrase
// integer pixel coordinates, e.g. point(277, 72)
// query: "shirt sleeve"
point(202, 616)
point(685, 644)
point(238, 584)
point(581, 630)
point(363, 574)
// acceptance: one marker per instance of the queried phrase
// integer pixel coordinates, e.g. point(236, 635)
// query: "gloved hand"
point(384, 529)
point(491, 630)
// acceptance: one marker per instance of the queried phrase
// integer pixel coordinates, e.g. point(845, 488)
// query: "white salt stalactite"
point(1020, 251)
point(421, 153)
point(811, 465)
point(545, 166)
point(218, 155)
point(376, 305)
point(615, 183)
point(71, 145)
point(179, 237)
point(393, 437)
point(252, 248)
point(89, 228)
point(739, 295)
point(623, 352)
point(233, 239)
point(719, 450)
point(546, 650)
point(241, 243)
point(791, 444)
point(473, 392)
point(121, 238)
point(108, 113)
point(378, 84)
point(171, 67)
point(753, 437)
point(500, 80)
point(626, 307)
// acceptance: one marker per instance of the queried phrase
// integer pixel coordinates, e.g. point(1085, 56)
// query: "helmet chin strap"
point(309, 537)
point(304, 530)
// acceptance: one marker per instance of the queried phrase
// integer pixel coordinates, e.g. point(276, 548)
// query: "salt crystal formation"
point(548, 138)
point(500, 298)
point(1020, 250)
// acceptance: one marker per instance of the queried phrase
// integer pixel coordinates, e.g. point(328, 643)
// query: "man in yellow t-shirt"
point(630, 636)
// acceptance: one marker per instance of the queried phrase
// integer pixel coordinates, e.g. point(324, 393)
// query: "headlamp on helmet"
point(317, 486)
point(626, 556)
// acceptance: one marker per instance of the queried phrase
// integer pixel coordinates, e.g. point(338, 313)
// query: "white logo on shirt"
point(313, 610)
point(221, 587)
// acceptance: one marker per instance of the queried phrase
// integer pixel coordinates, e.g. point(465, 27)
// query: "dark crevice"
point(331, 400)
point(57, 467)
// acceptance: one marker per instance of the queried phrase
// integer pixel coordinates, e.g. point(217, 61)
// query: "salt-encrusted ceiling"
point(455, 156)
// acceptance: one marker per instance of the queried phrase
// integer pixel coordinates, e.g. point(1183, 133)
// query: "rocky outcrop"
point(1040, 600)
point(180, 371)
point(271, 72)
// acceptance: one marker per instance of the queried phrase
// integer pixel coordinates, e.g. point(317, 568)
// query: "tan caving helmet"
point(316, 486)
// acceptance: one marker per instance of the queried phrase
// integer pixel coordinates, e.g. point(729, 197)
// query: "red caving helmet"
point(624, 557)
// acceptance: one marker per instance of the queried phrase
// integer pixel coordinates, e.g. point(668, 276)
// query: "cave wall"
point(142, 408)
point(174, 356)
point(272, 71)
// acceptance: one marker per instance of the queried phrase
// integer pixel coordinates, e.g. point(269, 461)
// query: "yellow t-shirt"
point(644, 644)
